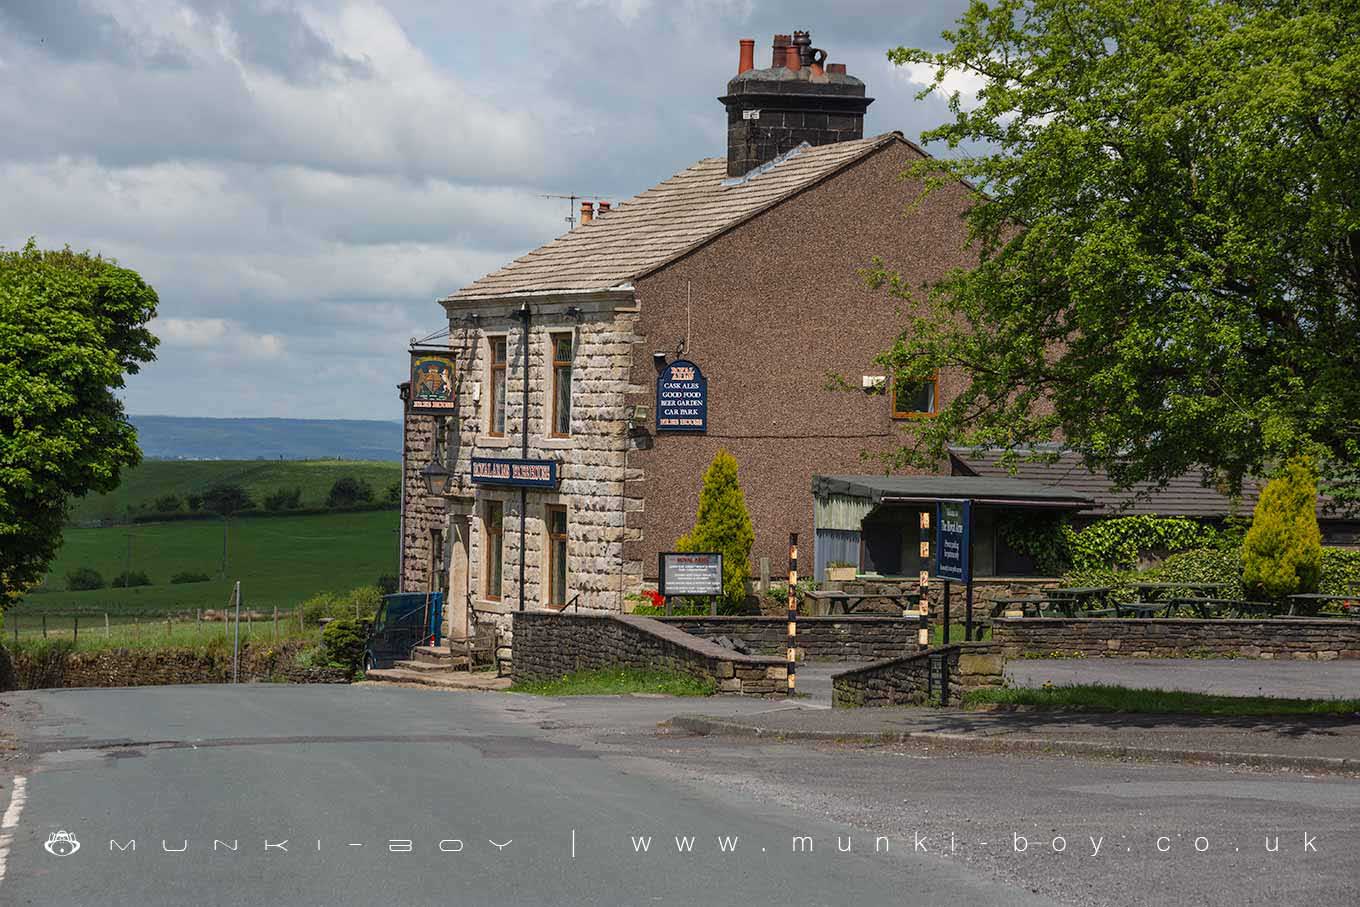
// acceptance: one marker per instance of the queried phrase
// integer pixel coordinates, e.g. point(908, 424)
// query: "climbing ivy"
point(1116, 544)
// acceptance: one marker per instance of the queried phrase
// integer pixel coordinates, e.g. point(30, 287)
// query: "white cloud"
point(965, 82)
point(223, 340)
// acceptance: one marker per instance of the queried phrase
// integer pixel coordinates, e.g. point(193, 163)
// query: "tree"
point(1282, 553)
point(167, 503)
point(72, 327)
point(724, 525)
point(1166, 211)
point(284, 499)
point(194, 501)
point(348, 491)
point(226, 499)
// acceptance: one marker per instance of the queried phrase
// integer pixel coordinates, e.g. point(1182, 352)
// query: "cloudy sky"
point(300, 182)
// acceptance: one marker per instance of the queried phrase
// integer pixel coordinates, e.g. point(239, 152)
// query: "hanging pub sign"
point(689, 573)
point(517, 473)
point(681, 398)
point(432, 387)
point(953, 525)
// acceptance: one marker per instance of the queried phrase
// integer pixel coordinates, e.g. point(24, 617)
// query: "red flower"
point(658, 601)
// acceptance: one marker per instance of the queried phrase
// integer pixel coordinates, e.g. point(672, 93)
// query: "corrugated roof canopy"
point(924, 489)
point(663, 223)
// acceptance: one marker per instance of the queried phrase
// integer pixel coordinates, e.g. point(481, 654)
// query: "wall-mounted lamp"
point(473, 319)
point(637, 416)
point(576, 313)
point(659, 360)
point(437, 478)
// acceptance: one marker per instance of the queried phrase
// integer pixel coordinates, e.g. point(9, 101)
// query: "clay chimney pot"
point(747, 57)
point(587, 212)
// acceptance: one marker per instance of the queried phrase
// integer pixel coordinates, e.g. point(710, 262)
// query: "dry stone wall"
point(850, 638)
point(1283, 638)
point(915, 679)
point(549, 645)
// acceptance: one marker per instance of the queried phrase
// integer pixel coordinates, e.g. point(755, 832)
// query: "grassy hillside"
point(142, 485)
point(279, 561)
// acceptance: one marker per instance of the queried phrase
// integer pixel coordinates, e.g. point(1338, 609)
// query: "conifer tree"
point(1282, 553)
point(724, 525)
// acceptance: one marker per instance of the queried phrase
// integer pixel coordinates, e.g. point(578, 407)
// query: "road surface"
point(269, 794)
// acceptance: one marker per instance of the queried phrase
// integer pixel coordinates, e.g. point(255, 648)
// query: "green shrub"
point(724, 525)
point(189, 576)
point(1340, 572)
point(348, 491)
point(344, 641)
point(1122, 541)
point(130, 578)
point(1282, 554)
point(226, 499)
point(361, 603)
point(167, 503)
point(387, 584)
point(1202, 565)
point(283, 499)
point(84, 578)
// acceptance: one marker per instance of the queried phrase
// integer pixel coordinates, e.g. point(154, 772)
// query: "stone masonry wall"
point(914, 679)
point(549, 645)
point(851, 638)
point(1050, 637)
point(154, 667)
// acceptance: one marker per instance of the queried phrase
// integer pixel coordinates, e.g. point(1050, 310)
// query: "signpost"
point(953, 561)
point(681, 398)
point(514, 472)
point(690, 573)
point(432, 386)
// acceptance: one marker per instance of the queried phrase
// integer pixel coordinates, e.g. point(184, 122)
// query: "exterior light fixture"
point(437, 477)
point(637, 416)
point(576, 314)
point(659, 360)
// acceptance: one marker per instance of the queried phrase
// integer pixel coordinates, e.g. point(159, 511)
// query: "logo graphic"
point(61, 844)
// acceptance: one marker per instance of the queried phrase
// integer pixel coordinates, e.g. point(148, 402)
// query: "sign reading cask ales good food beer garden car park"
point(690, 573)
point(681, 398)
point(952, 525)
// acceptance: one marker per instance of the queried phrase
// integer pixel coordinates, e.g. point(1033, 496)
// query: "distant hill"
point(194, 438)
point(141, 487)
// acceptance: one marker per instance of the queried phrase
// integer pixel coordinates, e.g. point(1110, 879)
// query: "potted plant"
point(840, 571)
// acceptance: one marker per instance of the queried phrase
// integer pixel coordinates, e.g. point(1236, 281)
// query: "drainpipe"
point(524, 450)
point(403, 391)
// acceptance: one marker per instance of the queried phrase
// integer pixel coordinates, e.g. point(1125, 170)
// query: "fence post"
point(106, 625)
point(793, 612)
point(764, 576)
point(276, 623)
point(923, 637)
point(236, 646)
point(75, 630)
point(44, 626)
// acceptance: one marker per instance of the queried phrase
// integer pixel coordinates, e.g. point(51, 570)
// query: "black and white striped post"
point(793, 611)
point(923, 637)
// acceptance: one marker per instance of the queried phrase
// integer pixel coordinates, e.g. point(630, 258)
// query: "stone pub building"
point(746, 266)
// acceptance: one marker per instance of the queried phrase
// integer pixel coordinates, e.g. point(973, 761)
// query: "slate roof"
point(654, 228)
point(992, 489)
point(1182, 496)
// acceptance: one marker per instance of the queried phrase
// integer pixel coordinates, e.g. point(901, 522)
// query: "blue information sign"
point(519, 473)
point(953, 532)
point(681, 398)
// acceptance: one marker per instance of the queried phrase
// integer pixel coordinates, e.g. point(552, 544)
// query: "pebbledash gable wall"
point(850, 638)
point(1279, 638)
point(767, 310)
point(550, 645)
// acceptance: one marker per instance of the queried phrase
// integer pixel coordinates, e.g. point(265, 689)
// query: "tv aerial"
point(571, 205)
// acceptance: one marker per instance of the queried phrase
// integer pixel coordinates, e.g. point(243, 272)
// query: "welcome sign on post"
point(953, 522)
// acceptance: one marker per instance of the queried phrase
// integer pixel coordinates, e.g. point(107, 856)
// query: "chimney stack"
point(746, 58)
point(604, 208)
point(587, 212)
point(799, 98)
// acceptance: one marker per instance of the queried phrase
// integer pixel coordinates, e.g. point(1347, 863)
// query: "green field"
point(279, 560)
point(141, 485)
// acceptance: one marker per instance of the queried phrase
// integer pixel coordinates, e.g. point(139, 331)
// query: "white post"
point(236, 644)
point(106, 625)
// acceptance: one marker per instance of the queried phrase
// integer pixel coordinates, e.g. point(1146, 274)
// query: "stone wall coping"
point(783, 619)
point(696, 644)
point(961, 647)
point(1179, 621)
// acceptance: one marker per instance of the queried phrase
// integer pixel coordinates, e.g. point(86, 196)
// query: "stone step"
point(436, 655)
point(427, 667)
point(443, 680)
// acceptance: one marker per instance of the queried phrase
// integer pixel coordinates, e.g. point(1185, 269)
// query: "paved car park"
point(1231, 677)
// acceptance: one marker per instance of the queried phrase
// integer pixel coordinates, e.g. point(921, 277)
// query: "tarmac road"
point(503, 781)
point(1222, 676)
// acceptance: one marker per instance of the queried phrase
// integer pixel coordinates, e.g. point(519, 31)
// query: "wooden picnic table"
point(1026, 603)
point(1145, 609)
point(850, 601)
point(1081, 596)
point(1350, 604)
point(1148, 591)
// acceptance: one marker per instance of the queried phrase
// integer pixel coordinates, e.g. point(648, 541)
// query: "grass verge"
point(1103, 698)
point(618, 680)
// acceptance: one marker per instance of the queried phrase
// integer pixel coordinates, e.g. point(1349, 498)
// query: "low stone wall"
point(850, 638)
point(915, 680)
point(1292, 638)
point(155, 667)
point(550, 645)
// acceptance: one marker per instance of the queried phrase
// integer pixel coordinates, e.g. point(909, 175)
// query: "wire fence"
point(113, 630)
